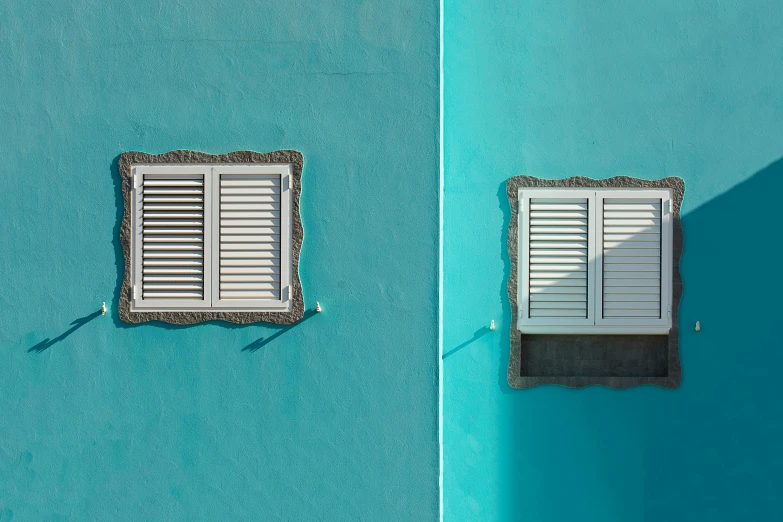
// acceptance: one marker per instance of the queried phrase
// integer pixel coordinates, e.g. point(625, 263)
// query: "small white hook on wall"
point(698, 326)
point(492, 324)
point(317, 306)
point(103, 309)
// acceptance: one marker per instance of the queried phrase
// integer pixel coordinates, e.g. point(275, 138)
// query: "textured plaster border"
point(126, 162)
point(515, 377)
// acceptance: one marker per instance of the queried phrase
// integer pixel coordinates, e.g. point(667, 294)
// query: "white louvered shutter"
point(634, 276)
point(556, 246)
point(171, 237)
point(252, 237)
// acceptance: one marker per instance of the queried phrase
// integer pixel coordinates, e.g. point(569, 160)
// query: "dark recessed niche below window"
point(594, 356)
point(616, 361)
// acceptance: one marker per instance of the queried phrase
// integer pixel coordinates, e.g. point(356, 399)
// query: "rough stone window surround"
point(125, 164)
point(516, 378)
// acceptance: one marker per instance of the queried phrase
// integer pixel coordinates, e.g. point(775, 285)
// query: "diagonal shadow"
point(263, 341)
point(481, 332)
point(78, 323)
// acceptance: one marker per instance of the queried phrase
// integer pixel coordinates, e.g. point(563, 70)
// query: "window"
point(211, 237)
point(595, 261)
point(215, 237)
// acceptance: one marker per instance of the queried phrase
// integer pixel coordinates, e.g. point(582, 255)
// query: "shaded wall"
point(333, 419)
point(557, 89)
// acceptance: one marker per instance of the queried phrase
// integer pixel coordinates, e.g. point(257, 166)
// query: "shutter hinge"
point(520, 205)
point(134, 293)
point(135, 181)
point(667, 207)
point(668, 311)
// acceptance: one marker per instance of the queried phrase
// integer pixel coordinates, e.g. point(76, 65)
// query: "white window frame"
point(595, 323)
point(211, 300)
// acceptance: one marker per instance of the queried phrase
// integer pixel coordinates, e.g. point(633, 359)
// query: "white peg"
point(698, 326)
point(103, 309)
point(492, 324)
point(317, 306)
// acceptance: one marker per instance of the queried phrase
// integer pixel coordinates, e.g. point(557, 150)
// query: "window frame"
point(211, 301)
point(641, 326)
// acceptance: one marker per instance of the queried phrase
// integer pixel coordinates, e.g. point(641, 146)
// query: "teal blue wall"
point(597, 88)
point(334, 419)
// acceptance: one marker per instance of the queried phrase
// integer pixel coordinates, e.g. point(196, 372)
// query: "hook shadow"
point(78, 323)
point(263, 341)
point(481, 332)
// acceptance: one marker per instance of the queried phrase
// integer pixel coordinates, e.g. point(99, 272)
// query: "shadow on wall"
point(281, 329)
point(709, 450)
point(78, 323)
point(481, 332)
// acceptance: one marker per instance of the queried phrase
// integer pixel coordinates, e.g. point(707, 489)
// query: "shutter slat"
point(652, 314)
point(250, 246)
point(243, 191)
point(629, 238)
point(582, 238)
point(552, 289)
point(552, 214)
point(555, 297)
point(544, 267)
point(249, 278)
point(253, 254)
point(174, 295)
point(582, 254)
point(561, 282)
point(239, 238)
point(249, 270)
point(615, 259)
point(548, 312)
point(173, 270)
point(261, 294)
point(638, 297)
point(558, 250)
point(631, 258)
point(246, 214)
point(632, 252)
point(251, 198)
point(261, 231)
point(250, 206)
point(610, 268)
point(228, 222)
point(250, 230)
point(559, 305)
point(172, 220)
point(632, 282)
point(637, 214)
point(564, 259)
point(557, 245)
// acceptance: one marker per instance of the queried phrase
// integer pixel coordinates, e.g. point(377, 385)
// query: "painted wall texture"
point(671, 88)
point(332, 419)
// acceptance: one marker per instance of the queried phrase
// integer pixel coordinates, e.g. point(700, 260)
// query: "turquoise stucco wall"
point(332, 419)
point(555, 89)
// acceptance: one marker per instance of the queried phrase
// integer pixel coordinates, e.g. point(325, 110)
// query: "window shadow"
point(481, 332)
point(263, 341)
point(78, 323)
